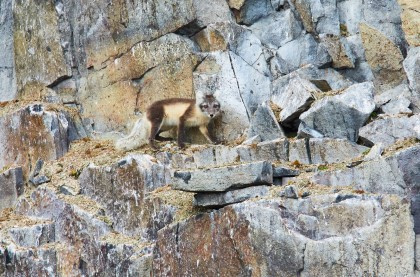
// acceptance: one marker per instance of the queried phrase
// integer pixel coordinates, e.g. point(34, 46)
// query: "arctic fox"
point(166, 114)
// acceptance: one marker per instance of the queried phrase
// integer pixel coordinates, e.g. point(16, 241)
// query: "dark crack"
point(239, 90)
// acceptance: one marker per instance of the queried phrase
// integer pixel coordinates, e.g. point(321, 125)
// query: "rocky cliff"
point(317, 173)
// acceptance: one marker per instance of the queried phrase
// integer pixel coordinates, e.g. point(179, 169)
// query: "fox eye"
point(216, 106)
point(205, 106)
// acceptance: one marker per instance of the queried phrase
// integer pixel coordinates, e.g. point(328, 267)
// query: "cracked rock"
point(342, 115)
point(220, 199)
point(223, 178)
point(264, 124)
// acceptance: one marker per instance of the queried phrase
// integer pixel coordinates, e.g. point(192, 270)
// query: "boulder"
point(264, 124)
point(398, 106)
point(410, 21)
point(220, 199)
point(323, 150)
point(277, 29)
point(304, 50)
point(384, 57)
point(395, 94)
point(223, 178)
point(342, 115)
point(388, 130)
point(294, 99)
point(412, 69)
point(339, 50)
point(281, 171)
point(249, 11)
point(11, 187)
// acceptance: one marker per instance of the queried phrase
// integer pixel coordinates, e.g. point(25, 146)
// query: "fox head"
point(209, 106)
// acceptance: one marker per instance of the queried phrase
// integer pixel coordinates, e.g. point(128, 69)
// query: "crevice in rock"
point(308, 150)
point(190, 29)
point(239, 90)
point(58, 81)
point(299, 273)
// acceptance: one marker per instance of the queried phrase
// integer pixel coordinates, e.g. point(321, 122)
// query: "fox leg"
point(205, 131)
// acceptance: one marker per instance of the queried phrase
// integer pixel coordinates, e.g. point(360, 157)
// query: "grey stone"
point(304, 50)
point(252, 140)
point(39, 180)
point(264, 124)
point(281, 171)
point(121, 188)
point(339, 50)
point(323, 151)
point(390, 129)
point(254, 87)
point(220, 199)
point(308, 238)
point(306, 132)
point(417, 251)
point(211, 12)
point(375, 152)
point(277, 29)
point(401, 91)
point(397, 106)
point(396, 174)
point(294, 99)
point(412, 68)
point(278, 67)
point(33, 236)
point(334, 80)
point(253, 10)
point(223, 178)
point(11, 187)
point(275, 150)
point(342, 115)
point(7, 66)
point(290, 192)
point(66, 190)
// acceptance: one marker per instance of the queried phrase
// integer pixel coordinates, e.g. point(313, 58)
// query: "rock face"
point(389, 129)
point(292, 188)
point(223, 178)
point(341, 116)
point(241, 242)
point(36, 132)
point(11, 187)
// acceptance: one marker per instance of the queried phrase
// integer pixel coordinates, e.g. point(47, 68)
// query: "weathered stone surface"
point(339, 50)
point(388, 130)
point(396, 174)
point(383, 56)
point(412, 68)
point(220, 199)
point(302, 239)
point(7, 63)
point(280, 171)
point(236, 38)
point(33, 236)
point(252, 10)
point(319, 16)
point(323, 151)
point(121, 188)
point(264, 124)
point(398, 106)
point(215, 75)
point(277, 29)
point(304, 50)
point(223, 178)
point(374, 153)
point(290, 192)
point(39, 56)
point(36, 132)
point(294, 99)
point(254, 87)
point(151, 71)
point(11, 187)
point(342, 115)
point(211, 12)
point(410, 21)
point(395, 94)
point(306, 132)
